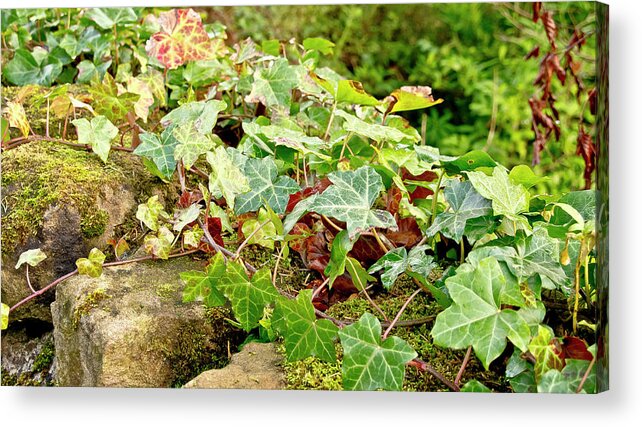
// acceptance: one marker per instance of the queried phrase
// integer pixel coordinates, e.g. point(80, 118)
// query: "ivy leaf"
point(520, 374)
point(203, 115)
point(17, 117)
point(547, 351)
point(265, 187)
point(182, 38)
point(346, 91)
point(98, 134)
point(358, 274)
point(474, 386)
point(398, 261)
point(369, 363)
point(409, 98)
point(32, 68)
point(248, 297)
point(201, 285)
point(538, 254)
point(107, 18)
point(226, 179)
point(469, 162)
point(341, 245)
point(317, 43)
point(192, 238)
point(372, 131)
point(574, 371)
point(187, 216)
point(150, 212)
point(304, 335)
point(466, 203)
point(507, 198)
point(265, 236)
point(33, 257)
point(91, 266)
point(109, 102)
point(192, 143)
point(475, 317)
point(523, 175)
point(159, 150)
point(296, 140)
point(159, 244)
point(272, 86)
point(4, 316)
point(146, 97)
point(554, 381)
point(349, 199)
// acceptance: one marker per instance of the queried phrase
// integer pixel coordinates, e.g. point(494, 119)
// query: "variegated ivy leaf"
point(226, 179)
point(398, 261)
point(192, 143)
point(4, 316)
point(202, 114)
point(159, 150)
point(349, 199)
point(192, 238)
point(304, 335)
point(475, 317)
point(296, 140)
point(17, 117)
point(538, 254)
point(372, 131)
point(150, 212)
point(187, 216)
point(248, 297)
point(201, 285)
point(33, 257)
point(109, 102)
point(265, 187)
point(547, 351)
point(345, 91)
point(263, 235)
point(409, 98)
point(182, 38)
point(146, 97)
point(273, 85)
point(98, 134)
point(507, 198)
point(369, 363)
point(91, 266)
point(465, 203)
point(159, 244)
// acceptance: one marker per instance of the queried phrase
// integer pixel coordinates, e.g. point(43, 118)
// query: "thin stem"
point(378, 239)
point(576, 305)
point(586, 374)
point(330, 120)
point(403, 307)
point(424, 125)
point(587, 283)
point(435, 196)
point(426, 367)
point(276, 264)
point(317, 291)
point(335, 226)
point(347, 139)
point(463, 365)
point(47, 124)
point(462, 253)
point(247, 239)
point(28, 279)
point(362, 286)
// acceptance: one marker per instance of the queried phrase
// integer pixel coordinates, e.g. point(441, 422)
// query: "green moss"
point(38, 375)
point(167, 291)
point(89, 302)
point(45, 357)
point(312, 373)
point(93, 224)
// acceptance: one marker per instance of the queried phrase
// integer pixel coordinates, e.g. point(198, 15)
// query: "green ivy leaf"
point(226, 179)
point(523, 175)
point(574, 371)
point(150, 212)
point(159, 244)
point(248, 297)
point(341, 245)
point(107, 18)
point(409, 98)
point(358, 274)
point(33, 257)
point(202, 114)
point(296, 140)
point(160, 150)
point(191, 144)
point(304, 335)
point(91, 266)
point(474, 386)
point(346, 91)
point(32, 68)
point(465, 203)
point(98, 134)
point(554, 381)
point(398, 261)
point(369, 363)
point(475, 317)
point(538, 254)
point(349, 199)
point(265, 187)
point(317, 43)
point(272, 86)
point(508, 199)
point(202, 285)
point(108, 102)
point(520, 374)
point(265, 236)
point(469, 162)
point(4, 316)
point(372, 131)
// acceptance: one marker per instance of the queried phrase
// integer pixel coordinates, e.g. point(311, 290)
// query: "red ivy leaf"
point(575, 348)
point(408, 233)
point(182, 38)
point(214, 227)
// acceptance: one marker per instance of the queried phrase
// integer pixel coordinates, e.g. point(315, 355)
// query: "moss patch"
point(93, 224)
point(89, 302)
point(167, 291)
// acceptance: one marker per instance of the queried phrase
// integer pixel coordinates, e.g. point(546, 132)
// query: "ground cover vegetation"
point(367, 181)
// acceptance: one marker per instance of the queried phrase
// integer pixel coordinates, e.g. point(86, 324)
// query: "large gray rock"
point(129, 328)
point(65, 202)
point(258, 366)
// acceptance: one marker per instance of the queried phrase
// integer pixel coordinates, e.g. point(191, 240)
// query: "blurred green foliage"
point(471, 54)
